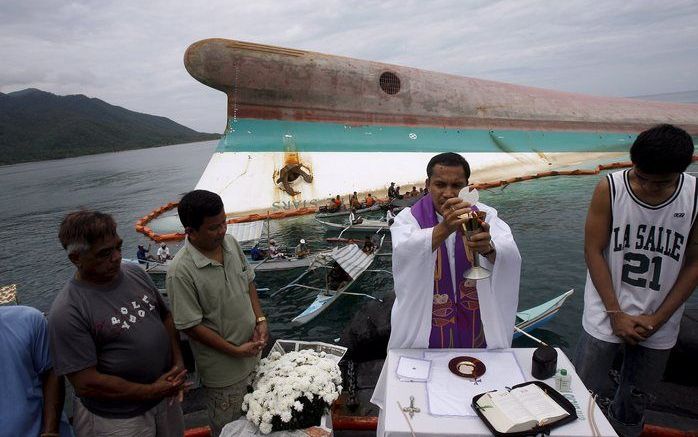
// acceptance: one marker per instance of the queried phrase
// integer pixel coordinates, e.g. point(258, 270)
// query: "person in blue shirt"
point(144, 255)
point(32, 395)
point(257, 254)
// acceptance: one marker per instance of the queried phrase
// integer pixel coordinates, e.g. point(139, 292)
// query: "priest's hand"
point(455, 214)
point(481, 241)
point(451, 210)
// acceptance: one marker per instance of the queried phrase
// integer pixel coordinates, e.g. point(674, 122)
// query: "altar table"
point(395, 424)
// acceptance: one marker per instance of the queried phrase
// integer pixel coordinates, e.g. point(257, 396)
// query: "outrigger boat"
point(286, 263)
point(280, 264)
point(153, 268)
point(247, 234)
point(352, 260)
point(536, 317)
point(326, 212)
point(368, 226)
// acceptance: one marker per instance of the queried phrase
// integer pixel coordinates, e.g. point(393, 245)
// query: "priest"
point(435, 306)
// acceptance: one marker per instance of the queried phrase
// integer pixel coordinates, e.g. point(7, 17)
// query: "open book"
point(521, 409)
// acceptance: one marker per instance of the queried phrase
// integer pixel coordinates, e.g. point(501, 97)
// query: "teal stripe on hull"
point(250, 135)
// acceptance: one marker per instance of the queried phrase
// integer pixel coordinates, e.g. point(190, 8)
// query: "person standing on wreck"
point(641, 251)
point(214, 301)
point(435, 307)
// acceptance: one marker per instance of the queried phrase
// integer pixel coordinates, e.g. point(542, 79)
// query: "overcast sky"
point(129, 52)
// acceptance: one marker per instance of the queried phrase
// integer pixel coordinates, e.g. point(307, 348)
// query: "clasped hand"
point(456, 213)
point(633, 329)
point(259, 339)
point(172, 384)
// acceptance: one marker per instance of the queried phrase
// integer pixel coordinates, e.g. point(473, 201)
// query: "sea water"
point(546, 216)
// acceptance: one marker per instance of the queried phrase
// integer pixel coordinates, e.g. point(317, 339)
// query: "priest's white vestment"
point(413, 273)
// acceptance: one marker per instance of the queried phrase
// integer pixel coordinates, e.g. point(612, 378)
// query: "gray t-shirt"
point(118, 328)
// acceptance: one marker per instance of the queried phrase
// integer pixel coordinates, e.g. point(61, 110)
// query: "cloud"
point(129, 53)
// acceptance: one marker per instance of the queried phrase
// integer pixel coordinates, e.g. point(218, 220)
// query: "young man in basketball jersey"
point(642, 257)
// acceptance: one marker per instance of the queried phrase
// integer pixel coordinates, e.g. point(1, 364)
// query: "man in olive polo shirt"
point(214, 301)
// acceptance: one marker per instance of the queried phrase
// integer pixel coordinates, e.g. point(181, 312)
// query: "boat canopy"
point(352, 259)
point(244, 232)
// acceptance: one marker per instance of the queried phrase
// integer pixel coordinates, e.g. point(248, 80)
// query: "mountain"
point(37, 125)
point(678, 97)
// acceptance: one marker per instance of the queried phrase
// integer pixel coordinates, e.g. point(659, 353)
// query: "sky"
point(129, 53)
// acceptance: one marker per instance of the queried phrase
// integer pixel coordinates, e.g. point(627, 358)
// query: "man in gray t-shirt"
point(112, 335)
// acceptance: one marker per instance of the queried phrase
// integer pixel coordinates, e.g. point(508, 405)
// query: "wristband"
point(489, 252)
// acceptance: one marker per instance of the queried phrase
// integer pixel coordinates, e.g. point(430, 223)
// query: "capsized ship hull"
point(304, 126)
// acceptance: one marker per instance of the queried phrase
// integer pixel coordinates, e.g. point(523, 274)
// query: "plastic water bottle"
point(563, 381)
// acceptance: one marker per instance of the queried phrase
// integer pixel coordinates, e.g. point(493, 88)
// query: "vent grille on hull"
point(390, 83)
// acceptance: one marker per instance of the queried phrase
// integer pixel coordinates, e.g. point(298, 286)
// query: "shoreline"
point(101, 152)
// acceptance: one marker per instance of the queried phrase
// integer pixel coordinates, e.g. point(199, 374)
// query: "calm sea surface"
point(546, 216)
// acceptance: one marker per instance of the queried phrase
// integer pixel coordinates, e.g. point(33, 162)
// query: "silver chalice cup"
point(471, 227)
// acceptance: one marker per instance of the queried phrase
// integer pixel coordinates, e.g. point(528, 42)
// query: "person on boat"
point(390, 216)
point(33, 396)
point(337, 203)
point(368, 246)
point(435, 307)
point(353, 219)
point(163, 253)
point(414, 192)
point(214, 301)
point(354, 201)
point(391, 191)
point(641, 250)
point(337, 278)
point(370, 201)
point(274, 251)
point(257, 254)
point(143, 255)
point(302, 250)
point(397, 193)
point(112, 335)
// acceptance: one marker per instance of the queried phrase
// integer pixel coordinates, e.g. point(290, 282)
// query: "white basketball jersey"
point(645, 254)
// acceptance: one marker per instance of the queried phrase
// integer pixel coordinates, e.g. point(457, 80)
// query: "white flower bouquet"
point(292, 390)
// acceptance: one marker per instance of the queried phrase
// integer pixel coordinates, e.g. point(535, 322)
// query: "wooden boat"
point(286, 263)
point(400, 204)
point(533, 318)
point(154, 268)
point(365, 226)
point(325, 213)
point(351, 261)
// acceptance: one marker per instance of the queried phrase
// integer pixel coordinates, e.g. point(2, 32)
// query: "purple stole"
point(455, 317)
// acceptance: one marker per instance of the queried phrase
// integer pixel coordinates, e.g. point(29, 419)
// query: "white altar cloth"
point(424, 424)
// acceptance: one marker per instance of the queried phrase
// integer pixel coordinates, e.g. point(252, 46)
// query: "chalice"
point(471, 227)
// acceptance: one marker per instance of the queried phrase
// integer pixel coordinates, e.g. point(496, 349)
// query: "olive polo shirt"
point(216, 295)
